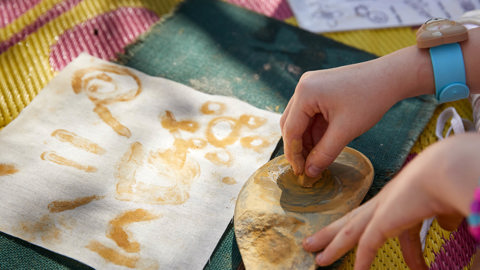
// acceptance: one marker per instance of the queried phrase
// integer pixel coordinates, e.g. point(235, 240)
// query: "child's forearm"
point(412, 74)
point(471, 57)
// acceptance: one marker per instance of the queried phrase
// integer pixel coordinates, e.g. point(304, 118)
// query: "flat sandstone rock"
point(274, 212)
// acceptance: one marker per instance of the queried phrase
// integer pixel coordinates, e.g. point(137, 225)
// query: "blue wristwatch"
point(441, 36)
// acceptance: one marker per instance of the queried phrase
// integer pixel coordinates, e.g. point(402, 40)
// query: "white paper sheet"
point(341, 15)
point(121, 170)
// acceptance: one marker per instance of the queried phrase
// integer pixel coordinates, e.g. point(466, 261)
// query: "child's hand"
point(330, 108)
point(439, 182)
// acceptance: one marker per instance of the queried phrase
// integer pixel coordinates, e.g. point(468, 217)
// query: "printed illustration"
point(374, 16)
point(326, 13)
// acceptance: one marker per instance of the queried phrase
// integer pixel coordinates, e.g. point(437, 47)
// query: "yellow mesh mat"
point(26, 70)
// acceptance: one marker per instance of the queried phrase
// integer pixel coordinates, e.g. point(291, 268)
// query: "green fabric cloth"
point(222, 49)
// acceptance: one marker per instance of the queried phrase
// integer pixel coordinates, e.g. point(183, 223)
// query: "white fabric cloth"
point(122, 170)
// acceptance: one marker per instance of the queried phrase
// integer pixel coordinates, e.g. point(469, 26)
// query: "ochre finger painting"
point(120, 170)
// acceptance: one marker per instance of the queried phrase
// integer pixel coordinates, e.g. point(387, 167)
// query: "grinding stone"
point(274, 213)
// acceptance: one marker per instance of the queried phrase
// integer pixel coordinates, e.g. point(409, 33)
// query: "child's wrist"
point(418, 72)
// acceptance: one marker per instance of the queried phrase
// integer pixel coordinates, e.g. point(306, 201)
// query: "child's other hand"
point(439, 182)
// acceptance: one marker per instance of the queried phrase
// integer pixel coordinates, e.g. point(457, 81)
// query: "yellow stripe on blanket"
point(25, 67)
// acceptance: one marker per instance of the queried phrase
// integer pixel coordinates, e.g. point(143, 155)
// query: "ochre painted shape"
point(229, 180)
point(249, 142)
point(81, 80)
point(53, 157)
point(172, 125)
point(245, 120)
point(251, 121)
point(104, 113)
point(215, 158)
point(118, 233)
point(228, 140)
point(206, 108)
point(60, 206)
point(7, 169)
point(77, 141)
point(113, 256)
point(83, 77)
point(172, 163)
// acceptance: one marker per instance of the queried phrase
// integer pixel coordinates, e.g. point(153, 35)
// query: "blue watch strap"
point(449, 72)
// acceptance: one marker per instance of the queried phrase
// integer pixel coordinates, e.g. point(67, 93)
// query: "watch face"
point(438, 24)
point(436, 32)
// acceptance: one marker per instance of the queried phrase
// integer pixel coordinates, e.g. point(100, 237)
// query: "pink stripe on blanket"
point(457, 251)
point(12, 9)
point(103, 36)
point(278, 9)
point(51, 14)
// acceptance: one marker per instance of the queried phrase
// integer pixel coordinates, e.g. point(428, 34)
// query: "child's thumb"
point(325, 151)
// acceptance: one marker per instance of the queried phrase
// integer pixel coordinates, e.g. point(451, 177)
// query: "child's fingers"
point(412, 248)
point(347, 236)
point(326, 150)
point(370, 241)
point(284, 116)
point(450, 222)
point(293, 129)
point(323, 237)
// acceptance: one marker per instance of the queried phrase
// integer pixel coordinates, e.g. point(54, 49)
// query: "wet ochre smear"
point(60, 206)
point(45, 228)
point(249, 121)
point(172, 163)
point(113, 256)
point(127, 168)
point(206, 108)
point(77, 141)
point(215, 158)
point(53, 157)
point(175, 159)
point(104, 113)
point(6, 169)
point(118, 233)
point(297, 198)
point(172, 125)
